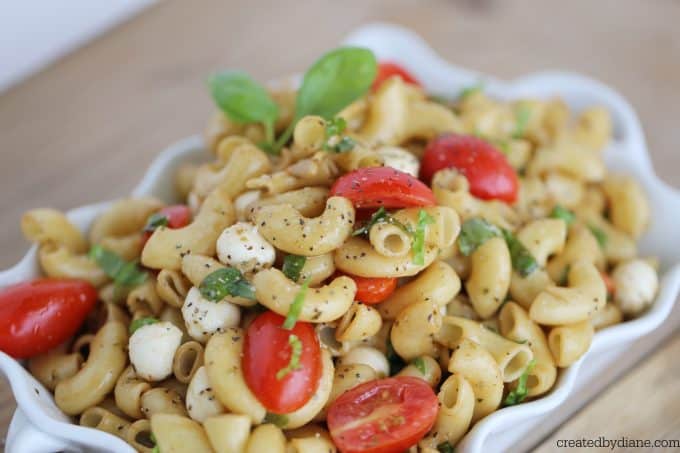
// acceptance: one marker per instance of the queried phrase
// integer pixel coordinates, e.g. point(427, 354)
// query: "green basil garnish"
point(226, 282)
point(296, 307)
point(419, 363)
point(292, 266)
point(559, 212)
point(599, 234)
point(522, 116)
point(156, 220)
point(140, 322)
point(520, 392)
point(125, 274)
point(294, 362)
point(475, 232)
point(418, 245)
point(522, 260)
point(334, 81)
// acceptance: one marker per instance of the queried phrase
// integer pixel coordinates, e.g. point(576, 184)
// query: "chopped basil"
point(395, 361)
point(125, 274)
point(156, 448)
point(226, 282)
point(141, 322)
point(522, 260)
point(296, 353)
point(296, 307)
point(380, 216)
point(292, 266)
point(599, 234)
point(445, 447)
point(244, 100)
point(279, 420)
point(470, 90)
point(418, 245)
point(522, 120)
point(340, 146)
point(520, 392)
point(475, 232)
point(336, 126)
point(156, 220)
point(419, 363)
point(560, 212)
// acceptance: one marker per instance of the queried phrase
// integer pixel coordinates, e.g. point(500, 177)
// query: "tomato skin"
point(266, 351)
point(486, 169)
point(373, 187)
point(371, 290)
point(38, 315)
point(179, 215)
point(388, 69)
point(409, 409)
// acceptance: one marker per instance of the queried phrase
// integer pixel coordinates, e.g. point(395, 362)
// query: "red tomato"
point(372, 187)
point(387, 70)
point(266, 351)
point(372, 290)
point(38, 315)
point(178, 215)
point(609, 283)
point(488, 172)
point(382, 416)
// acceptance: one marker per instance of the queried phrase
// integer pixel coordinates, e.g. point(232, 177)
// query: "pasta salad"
point(361, 266)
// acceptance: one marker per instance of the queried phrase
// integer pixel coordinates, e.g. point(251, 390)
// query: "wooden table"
point(86, 128)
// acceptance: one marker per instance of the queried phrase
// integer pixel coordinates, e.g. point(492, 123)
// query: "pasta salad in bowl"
point(358, 266)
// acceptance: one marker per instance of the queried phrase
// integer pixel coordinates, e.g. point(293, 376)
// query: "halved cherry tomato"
point(387, 69)
point(266, 351)
point(382, 416)
point(372, 290)
point(178, 215)
point(609, 283)
point(486, 169)
point(38, 315)
point(372, 187)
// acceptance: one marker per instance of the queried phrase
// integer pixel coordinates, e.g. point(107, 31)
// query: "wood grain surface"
point(85, 129)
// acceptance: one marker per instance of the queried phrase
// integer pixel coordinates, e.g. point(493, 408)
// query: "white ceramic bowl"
point(39, 426)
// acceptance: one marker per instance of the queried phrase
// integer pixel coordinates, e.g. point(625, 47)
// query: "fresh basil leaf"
point(445, 447)
point(294, 362)
point(156, 449)
point(280, 420)
point(156, 220)
point(141, 322)
point(123, 273)
point(244, 100)
point(296, 307)
point(599, 234)
point(395, 361)
point(475, 232)
point(470, 90)
point(380, 216)
point(419, 363)
point(560, 212)
point(292, 266)
point(520, 392)
point(336, 80)
point(226, 282)
point(522, 259)
point(521, 120)
point(418, 245)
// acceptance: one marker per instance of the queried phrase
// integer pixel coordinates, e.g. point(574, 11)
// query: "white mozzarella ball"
point(636, 284)
point(243, 247)
point(203, 317)
point(152, 349)
point(400, 159)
